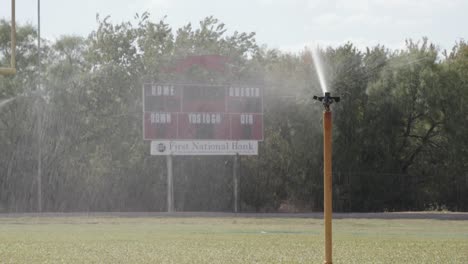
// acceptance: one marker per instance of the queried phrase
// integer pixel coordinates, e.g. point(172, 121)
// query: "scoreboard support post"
point(235, 176)
point(170, 185)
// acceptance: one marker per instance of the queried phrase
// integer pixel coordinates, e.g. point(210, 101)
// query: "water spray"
point(6, 101)
point(319, 69)
point(327, 100)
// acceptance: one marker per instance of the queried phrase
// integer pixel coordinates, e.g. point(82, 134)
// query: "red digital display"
point(194, 112)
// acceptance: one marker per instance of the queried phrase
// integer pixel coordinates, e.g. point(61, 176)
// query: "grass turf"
point(228, 240)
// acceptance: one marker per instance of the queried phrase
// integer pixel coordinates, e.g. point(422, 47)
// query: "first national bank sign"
point(185, 119)
point(204, 147)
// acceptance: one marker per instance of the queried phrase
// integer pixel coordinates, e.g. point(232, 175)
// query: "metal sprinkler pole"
point(327, 100)
point(327, 184)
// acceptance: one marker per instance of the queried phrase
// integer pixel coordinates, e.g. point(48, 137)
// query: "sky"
point(288, 25)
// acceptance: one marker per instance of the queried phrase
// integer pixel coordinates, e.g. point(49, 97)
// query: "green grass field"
point(228, 240)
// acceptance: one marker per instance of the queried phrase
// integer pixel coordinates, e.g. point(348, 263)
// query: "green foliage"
point(400, 142)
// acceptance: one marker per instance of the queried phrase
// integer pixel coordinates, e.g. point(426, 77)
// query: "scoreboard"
point(202, 112)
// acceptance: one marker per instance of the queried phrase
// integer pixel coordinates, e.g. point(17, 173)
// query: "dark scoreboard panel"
point(246, 126)
point(160, 125)
point(162, 98)
point(192, 112)
point(204, 126)
point(204, 99)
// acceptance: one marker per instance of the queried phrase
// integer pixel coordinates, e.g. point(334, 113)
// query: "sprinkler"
point(327, 100)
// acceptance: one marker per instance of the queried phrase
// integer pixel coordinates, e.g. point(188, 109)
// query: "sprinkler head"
point(327, 100)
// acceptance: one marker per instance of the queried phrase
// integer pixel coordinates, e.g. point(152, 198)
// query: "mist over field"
point(71, 137)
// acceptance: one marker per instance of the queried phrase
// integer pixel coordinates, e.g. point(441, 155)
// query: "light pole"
point(327, 100)
point(39, 120)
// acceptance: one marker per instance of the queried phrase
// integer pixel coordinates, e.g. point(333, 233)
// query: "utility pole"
point(39, 120)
